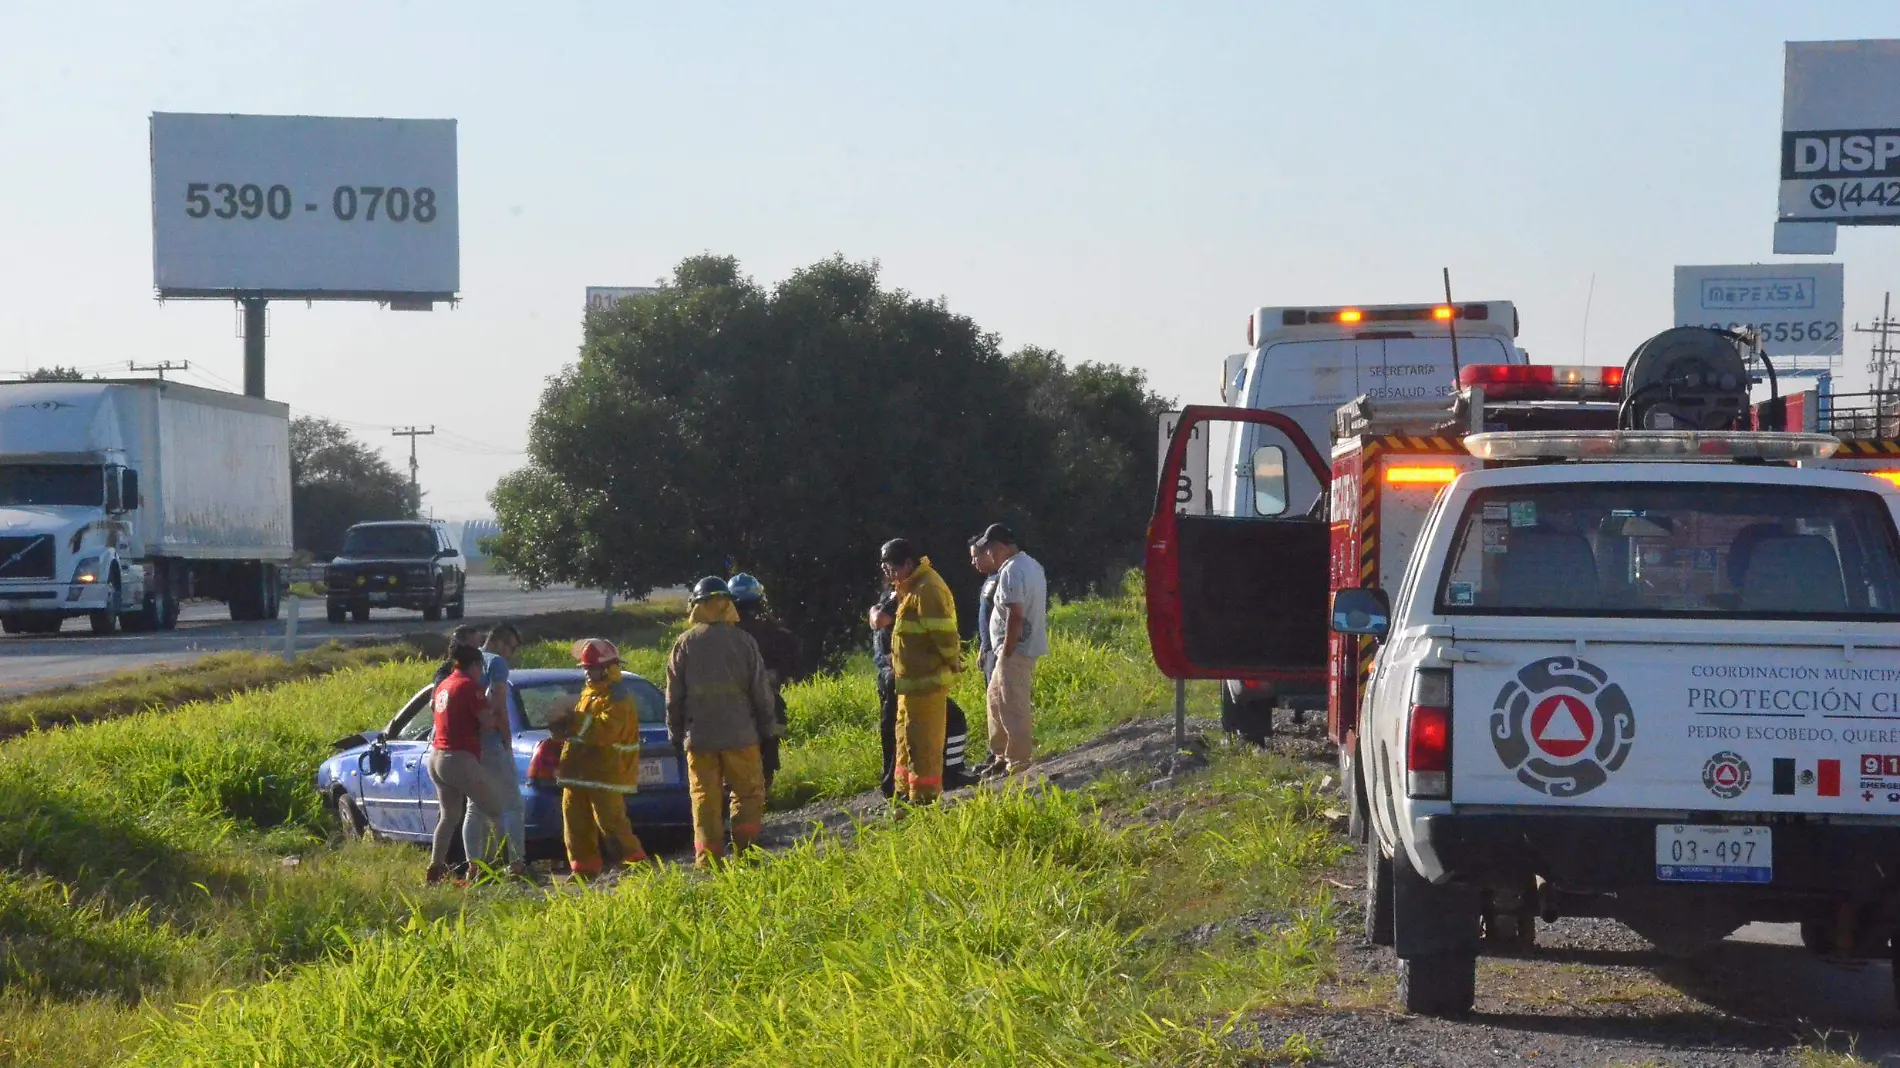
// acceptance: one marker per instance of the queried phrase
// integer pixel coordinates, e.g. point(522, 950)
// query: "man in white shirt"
point(1019, 635)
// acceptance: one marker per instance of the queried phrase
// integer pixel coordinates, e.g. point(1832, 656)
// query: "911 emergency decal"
point(1562, 726)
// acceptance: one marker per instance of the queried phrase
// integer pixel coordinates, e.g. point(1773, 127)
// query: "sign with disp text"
point(299, 206)
point(1797, 308)
point(1840, 132)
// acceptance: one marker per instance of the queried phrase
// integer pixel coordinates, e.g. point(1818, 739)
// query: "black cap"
point(896, 551)
point(995, 534)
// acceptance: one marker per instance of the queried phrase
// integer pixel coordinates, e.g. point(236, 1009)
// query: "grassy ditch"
point(1010, 929)
point(153, 859)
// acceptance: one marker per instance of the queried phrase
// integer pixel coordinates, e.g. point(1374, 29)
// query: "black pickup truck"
point(396, 564)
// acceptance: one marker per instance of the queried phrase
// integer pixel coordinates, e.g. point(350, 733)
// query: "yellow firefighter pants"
point(587, 813)
point(920, 727)
point(709, 775)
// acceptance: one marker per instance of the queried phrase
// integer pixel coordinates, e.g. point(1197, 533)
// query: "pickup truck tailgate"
point(1747, 726)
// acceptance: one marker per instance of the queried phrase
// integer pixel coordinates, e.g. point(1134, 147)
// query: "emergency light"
point(1889, 475)
point(1419, 474)
point(1517, 381)
point(1442, 313)
point(1651, 445)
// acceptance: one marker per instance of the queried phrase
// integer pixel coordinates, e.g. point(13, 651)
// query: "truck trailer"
point(121, 499)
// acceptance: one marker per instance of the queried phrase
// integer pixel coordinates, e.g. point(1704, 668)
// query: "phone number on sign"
point(348, 203)
point(1811, 330)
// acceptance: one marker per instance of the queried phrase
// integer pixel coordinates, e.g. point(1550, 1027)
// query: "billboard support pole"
point(253, 345)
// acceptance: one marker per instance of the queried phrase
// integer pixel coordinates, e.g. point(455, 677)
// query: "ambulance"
point(1303, 363)
point(1594, 650)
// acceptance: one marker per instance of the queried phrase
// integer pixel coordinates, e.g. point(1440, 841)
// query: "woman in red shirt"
point(455, 755)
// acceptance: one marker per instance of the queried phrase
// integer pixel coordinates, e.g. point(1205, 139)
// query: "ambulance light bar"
point(1419, 474)
point(1650, 445)
point(1428, 313)
point(1518, 381)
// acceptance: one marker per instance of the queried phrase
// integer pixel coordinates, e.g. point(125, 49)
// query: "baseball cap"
point(995, 534)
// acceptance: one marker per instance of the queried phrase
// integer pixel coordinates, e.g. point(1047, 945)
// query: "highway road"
point(30, 662)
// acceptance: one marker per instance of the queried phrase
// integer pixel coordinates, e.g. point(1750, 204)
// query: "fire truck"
point(1596, 641)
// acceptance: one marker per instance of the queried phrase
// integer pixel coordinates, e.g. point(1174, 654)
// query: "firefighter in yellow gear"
point(719, 707)
point(926, 657)
point(600, 761)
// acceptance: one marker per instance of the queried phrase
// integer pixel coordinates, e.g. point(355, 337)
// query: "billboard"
point(1797, 308)
point(297, 206)
point(600, 298)
point(1840, 132)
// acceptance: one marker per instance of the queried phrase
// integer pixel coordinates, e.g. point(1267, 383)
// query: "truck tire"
point(11, 624)
point(1378, 896)
point(270, 593)
point(243, 595)
point(1438, 984)
point(168, 610)
point(432, 613)
point(107, 622)
point(360, 613)
point(458, 607)
point(335, 611)
point(1251, 720)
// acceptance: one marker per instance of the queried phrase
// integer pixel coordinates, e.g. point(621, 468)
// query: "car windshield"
point(394, 541)
point(541, 700)
point(52, 484)
point(1674, 549)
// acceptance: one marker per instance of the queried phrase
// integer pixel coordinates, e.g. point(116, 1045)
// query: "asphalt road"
point(33, 663)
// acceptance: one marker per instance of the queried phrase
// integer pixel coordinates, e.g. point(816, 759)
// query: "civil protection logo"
point(1562, 726)
point(1726, 775)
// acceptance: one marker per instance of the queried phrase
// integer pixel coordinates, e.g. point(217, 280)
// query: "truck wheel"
point(1252, 720)
point(1438, 984)
point(270, 595)
point(11, 624)
point(107, 622)
point(167, 610)
point(334, 611)
point(459, 607)
point(1378, 896)
point(360, 613)
point(432, 613)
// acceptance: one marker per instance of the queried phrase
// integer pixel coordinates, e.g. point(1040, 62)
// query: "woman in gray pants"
point(455, 756)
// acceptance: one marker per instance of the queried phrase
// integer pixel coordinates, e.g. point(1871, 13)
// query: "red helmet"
point(593, 652)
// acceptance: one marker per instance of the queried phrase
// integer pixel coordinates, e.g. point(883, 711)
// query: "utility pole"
point(1881, 364)
point(161, 367)
point(415, 489)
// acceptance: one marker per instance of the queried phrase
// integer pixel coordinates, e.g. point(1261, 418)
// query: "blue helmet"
point(745, 589)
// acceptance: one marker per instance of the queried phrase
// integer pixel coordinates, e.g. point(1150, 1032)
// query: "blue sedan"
point(378, 786)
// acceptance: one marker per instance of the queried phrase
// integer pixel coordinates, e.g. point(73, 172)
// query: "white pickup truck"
point(1649, 675)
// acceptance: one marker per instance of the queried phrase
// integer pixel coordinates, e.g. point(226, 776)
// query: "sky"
point(1120, 182)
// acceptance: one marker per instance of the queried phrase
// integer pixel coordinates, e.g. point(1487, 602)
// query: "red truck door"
point(1239, 597)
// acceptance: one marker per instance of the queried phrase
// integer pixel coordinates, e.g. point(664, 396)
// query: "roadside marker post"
point(1180, 713)
point(295, 604)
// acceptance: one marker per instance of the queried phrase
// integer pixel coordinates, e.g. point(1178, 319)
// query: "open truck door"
point(1242, 595)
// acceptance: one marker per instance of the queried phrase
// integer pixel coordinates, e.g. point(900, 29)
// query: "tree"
point(717, 426)
point(336, 481)
point(55, 373)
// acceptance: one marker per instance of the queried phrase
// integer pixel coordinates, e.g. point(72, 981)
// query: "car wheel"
point(360, 613)
point(107, 622)
point(1438, 984)
point(349, 817)
point(334, 612)
point(1378, 896)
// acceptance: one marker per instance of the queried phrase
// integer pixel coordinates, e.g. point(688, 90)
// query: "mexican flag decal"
point(1819, 777)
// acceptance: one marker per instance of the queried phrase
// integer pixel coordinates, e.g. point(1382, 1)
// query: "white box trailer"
point(119, 499)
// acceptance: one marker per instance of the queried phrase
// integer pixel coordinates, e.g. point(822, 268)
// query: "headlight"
point(87, 571)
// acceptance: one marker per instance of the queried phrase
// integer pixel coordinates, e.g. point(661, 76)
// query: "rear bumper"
point(1617, 855)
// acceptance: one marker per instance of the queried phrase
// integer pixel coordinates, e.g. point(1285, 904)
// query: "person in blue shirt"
point(483, 841)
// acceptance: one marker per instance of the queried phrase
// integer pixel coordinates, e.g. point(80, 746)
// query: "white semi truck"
point(120, 499)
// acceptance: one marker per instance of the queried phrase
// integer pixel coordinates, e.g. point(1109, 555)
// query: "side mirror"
point(129, 489)
point(377, 759)
point(1269, 480)
point(448, 554)
point(1364, 611)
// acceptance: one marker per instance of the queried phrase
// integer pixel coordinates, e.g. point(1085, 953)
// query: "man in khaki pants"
point(1019, 634)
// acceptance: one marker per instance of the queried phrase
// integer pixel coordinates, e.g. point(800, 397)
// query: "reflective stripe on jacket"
point(924, 646)
point(602, 736)
point(717, 696)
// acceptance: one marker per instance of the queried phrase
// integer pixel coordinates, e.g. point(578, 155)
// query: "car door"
point(391, 776)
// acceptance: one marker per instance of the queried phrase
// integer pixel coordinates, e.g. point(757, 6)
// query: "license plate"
point(378, 598)
point(1699, 853)
point(652, 772)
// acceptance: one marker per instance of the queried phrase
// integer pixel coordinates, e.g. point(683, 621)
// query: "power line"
point(161, 367)
point(415, 488)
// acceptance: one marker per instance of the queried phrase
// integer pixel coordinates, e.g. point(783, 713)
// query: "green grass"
point(1009, 929)
point(156, 858)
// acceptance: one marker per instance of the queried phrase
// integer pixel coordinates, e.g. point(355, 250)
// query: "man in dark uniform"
point(779, 648)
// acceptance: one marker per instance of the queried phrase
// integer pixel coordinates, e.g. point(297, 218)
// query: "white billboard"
point(298, 206)
point(1840, 132)
point(600, 298)
point(1190, 490)
point(1797, 308)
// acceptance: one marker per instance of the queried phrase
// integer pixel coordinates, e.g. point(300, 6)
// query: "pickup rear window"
point(1699, 550)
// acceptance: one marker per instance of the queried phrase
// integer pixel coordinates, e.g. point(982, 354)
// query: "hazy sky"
point(1121, 182)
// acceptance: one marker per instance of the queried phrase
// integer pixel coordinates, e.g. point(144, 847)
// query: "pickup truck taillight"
point(1428, 736)
point(545, 762)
